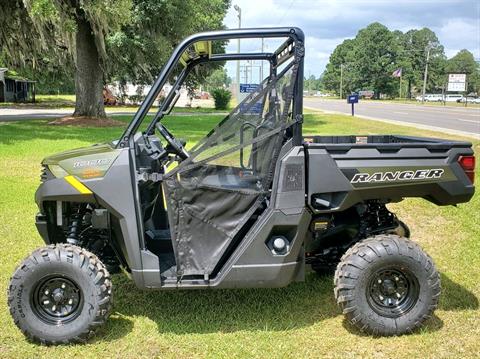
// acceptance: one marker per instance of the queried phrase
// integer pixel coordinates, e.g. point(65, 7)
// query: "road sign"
point(457, 77)
point(352, 98)
point(456, 86)
point(245, 90)
point(457, 82)
point(248, 88)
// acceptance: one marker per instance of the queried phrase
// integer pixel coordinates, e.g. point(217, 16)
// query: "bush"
point(222, 98)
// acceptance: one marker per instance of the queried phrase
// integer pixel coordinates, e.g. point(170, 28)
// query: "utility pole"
point(239, 11)
point(262, 61)
point(425, 74)
point(341, 81)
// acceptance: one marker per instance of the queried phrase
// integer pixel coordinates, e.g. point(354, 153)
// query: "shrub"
point(222, 98)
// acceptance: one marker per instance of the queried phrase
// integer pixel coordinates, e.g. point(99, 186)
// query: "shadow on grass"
point(12, 132)
point(456, 297)
point(431, 325)
point(209, 311)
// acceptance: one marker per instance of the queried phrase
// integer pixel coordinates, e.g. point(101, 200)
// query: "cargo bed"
point(345, 170)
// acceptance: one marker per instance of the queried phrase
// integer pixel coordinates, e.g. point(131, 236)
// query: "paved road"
point(21, 114)
point(16, 114)
point(457, 120)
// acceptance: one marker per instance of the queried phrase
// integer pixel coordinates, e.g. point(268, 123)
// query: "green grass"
point(299, 321)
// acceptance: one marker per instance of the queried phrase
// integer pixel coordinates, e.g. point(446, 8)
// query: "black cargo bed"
point(380, 142)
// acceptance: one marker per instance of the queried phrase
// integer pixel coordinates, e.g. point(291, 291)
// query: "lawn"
point(299, 321)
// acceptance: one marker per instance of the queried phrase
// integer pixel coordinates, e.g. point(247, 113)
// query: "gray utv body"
point(254, 201)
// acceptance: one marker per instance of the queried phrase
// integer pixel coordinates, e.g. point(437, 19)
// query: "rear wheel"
point(387, 285)
point(60, 294)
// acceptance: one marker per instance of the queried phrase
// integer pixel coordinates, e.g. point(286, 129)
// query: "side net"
point(215, 191)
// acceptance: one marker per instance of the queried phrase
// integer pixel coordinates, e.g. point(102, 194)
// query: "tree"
point(413, 57)
point(83, 26)
point(126, 40)
point(217, 79)
point(38, 55)
point(464, 62)
point(365, 62)
point(369, 59)
point(156, 27)
point(375, 57)
point(342, 56)
point(312, 84)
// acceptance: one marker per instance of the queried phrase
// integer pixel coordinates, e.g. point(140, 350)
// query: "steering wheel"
point(176, 145)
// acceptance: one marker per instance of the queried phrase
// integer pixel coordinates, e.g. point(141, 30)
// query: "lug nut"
point(398, 295)
point(381, 297)
point(379, 281)
point(54, 307)
point(45, 302)
point(63, 285)
point(46, 292)
point(70, 302)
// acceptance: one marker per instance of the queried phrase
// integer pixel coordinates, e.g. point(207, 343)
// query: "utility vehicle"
point(250, 205)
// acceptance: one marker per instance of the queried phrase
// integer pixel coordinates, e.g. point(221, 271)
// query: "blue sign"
point(248, 88)
point(256, 108)
point(352, 98)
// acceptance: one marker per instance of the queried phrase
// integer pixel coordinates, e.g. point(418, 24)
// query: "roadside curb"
point(403, 123)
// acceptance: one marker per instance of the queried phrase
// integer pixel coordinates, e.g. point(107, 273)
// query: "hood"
point(86, 162)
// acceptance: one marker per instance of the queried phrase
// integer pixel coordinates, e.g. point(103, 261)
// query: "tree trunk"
point(89, 73)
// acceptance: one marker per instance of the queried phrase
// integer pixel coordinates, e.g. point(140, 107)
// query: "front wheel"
point(401, 230)
point(60, 294)
point(387, 285)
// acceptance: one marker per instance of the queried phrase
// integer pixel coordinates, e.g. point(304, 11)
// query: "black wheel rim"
point(57, 300)
point(392, 291)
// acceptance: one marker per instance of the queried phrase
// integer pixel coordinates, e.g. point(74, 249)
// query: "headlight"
point(57, 171)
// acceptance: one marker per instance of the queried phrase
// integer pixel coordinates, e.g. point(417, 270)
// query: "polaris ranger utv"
point(250, 205)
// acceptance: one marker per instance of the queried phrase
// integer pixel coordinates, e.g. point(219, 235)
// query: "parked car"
point(366, 94)
point(453, 98)
point(469, 99)
point(431, 98)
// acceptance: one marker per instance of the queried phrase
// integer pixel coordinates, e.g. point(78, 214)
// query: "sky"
point(326, 23)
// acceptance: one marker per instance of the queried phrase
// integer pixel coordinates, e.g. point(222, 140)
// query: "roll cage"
point(196, 49)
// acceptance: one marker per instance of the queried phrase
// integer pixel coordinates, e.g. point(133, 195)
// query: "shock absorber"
point(75, 226)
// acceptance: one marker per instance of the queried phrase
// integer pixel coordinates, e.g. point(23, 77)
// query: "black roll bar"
point(191, 65)
point(295, 34)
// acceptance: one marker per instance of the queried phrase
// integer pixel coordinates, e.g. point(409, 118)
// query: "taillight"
point(468, 165)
